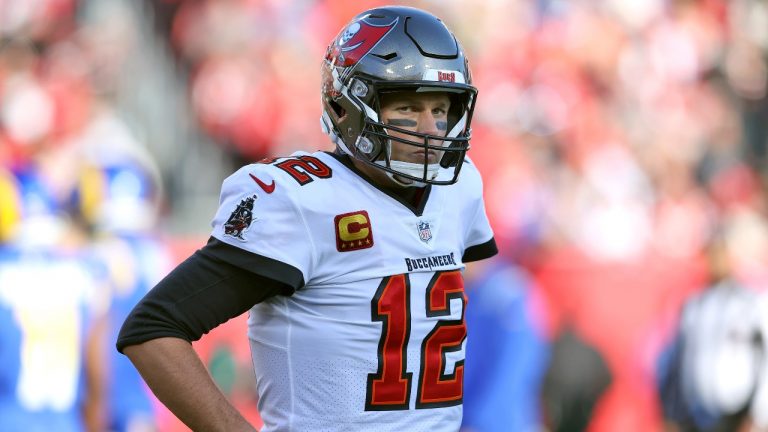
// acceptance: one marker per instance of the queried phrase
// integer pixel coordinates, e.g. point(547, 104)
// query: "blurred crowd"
point(624, 152)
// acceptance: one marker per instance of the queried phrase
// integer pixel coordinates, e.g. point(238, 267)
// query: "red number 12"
point(390, 387)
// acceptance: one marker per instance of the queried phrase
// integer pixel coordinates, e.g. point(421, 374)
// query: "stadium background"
point(623, 146)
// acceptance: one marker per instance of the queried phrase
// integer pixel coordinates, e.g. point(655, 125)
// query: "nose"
point(429, 124)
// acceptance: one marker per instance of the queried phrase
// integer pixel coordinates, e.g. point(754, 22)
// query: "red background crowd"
point(617, 140)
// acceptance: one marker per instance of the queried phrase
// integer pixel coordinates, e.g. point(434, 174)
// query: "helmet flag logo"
point(356, 40)
point(349, 33)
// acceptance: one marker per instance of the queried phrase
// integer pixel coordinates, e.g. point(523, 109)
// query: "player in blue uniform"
point(118, 201)
point(52, 304)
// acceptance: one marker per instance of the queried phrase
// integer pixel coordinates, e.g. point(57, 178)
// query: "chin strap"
point(411, 169)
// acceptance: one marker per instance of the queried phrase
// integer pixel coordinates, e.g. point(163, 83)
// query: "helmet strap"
point(410, 169)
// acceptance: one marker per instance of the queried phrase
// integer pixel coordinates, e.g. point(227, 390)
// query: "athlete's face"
point(425, 113)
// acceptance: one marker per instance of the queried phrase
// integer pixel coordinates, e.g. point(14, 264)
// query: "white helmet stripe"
point(459, 127)
point(368, 110)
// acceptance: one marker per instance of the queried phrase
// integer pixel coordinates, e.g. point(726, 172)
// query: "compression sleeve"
point(198, 295)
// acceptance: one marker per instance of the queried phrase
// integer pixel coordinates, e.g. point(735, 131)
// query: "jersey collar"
point(413, 198)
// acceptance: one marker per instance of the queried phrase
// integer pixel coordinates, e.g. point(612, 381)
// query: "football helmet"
point(119, 198)
point(395, 49)
point(10, 204)
point(31, 215)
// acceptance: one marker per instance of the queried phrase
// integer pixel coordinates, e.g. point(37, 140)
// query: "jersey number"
point(390, 387)
point(301, 167)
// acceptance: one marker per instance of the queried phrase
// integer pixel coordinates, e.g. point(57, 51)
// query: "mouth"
point(431, 155)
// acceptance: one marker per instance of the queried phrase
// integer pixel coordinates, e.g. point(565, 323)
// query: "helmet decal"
point(448, 76)
point(356, 40)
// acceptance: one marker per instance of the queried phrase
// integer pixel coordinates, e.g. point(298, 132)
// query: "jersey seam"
point(313, 255)
point(263, 341)
point(469, 228)
point(289, 334)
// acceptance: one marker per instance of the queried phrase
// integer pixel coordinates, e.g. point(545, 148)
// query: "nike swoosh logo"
point(268, 188)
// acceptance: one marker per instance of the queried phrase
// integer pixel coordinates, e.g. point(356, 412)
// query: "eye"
point(440, 111)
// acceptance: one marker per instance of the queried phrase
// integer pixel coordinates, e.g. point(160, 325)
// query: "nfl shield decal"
point(425, 231)
point(240, 219)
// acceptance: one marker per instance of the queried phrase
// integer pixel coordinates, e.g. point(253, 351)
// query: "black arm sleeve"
point(198, 295)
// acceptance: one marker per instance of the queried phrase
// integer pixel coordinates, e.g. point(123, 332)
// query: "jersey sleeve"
point(260, 227)
point(479, 240)
point(195, 297)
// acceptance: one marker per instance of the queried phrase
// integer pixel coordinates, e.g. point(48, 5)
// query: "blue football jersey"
point(49, 302)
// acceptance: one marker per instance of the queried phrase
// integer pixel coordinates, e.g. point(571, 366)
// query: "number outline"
point(309, 165)
point(386, 329)
point(434, 389)
point(455, 291)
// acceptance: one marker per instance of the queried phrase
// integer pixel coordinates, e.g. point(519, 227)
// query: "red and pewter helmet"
point(393, 49)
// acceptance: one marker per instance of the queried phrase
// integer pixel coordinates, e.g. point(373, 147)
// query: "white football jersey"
point(373, 336)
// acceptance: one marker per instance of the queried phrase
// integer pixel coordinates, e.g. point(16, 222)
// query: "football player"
point(118, 203)
point(350, 262)
point(53, 302)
